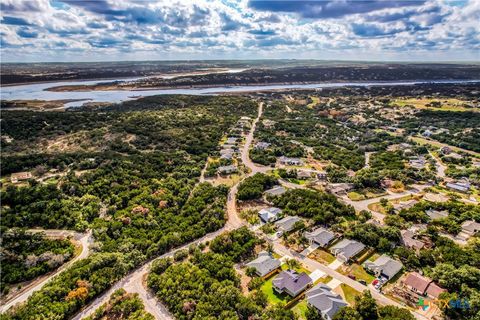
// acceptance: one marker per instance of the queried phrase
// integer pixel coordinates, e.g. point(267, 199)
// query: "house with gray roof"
point(290, 161)
point(384, 266)
point(264, 264)
point(227, 169)
point(287, 224)
point(262, 145)
point(320, 236)
point(470, 227)
point(291, 282)
point(463, 187)
point(347, 249)
point(231, 140)
point(270, 214)
point(275, 191)
point(324, 300)
point(436, 214)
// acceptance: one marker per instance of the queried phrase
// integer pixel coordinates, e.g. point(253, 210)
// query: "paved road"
point(315, 265)
point(248, 142)
point(85, 240)
point(439, 165)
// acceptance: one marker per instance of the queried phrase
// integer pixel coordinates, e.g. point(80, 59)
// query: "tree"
point(366, 306)
point(313, 313)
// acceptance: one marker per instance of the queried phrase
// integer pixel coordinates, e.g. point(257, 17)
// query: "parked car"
point(351, 276)
point(363, 282)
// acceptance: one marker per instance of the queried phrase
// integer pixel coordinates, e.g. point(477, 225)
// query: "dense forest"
point(25, 256)
point(254, 186)
point(133, 182)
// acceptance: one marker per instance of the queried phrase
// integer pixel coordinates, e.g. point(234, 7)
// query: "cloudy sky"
point(96, 30)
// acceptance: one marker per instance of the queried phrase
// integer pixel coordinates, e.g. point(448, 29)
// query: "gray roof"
point(321, 236)
point(286, 224)
point(459, 186)
point(264, 263)
point(276, 191)
point(327, 302)
point(385, 265)
point(348, 248)
point(230, 168)
point(270, 213)
point(435, 214)
point(471, 226)
point(292, 281)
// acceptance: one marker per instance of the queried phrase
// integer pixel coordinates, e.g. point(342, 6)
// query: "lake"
point(37, 91)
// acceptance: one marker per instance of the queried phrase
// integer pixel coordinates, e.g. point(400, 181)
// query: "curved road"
point(85, 240)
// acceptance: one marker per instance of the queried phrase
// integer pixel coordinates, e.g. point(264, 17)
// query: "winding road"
point(85, 239)
point(134, 282)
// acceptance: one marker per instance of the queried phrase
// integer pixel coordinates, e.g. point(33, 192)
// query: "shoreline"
point(92, 88)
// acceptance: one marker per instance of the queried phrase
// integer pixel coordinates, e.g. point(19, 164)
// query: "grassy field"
point(363, 195)
point(446, 104)
point(322, 256)
point(349, 293)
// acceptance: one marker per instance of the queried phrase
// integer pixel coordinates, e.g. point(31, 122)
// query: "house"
point(417, 163)
point(275, 191)
point(435, 197)
point(290, 161)
point(262, 145)
point(19, 176)
point(322, 175)
point(320, 236)
point(427, 133)
point(340, 188)
point(384, 267)
point(463, 187)
point(347, 249)
point(436, 215)
point(303, 174)
point(407, 239)
point(404, 205)
point(264, 264)
point(270, 214)
point(291, 282)
point(422, 285)
point(231, 140)
point(455, 156)
point(470, 227)
point(445, 150)
point(226, 154)
point(227, 169)
point(287, 224)
point(324, 300)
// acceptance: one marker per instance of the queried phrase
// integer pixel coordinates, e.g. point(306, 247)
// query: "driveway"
point(335, 264)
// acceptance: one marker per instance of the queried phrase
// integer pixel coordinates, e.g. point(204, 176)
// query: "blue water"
point(37, 91)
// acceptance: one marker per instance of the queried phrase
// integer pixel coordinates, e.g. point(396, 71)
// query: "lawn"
point(322, 256)
point(349, 293)
point(272, 296)
point(438, 144)
point(357, 271)
point(355, 196)
point(324, 279)
point(315, 101)
point(300, 309)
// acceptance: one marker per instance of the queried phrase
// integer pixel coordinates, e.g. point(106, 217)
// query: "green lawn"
point(324, 279)
point(272, 296)
point(322, 256)
point(300, 309)
point(355, 196)
point(349, 293)
point(358, 271)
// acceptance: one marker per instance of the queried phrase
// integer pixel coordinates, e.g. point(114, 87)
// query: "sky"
point(107, 30)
